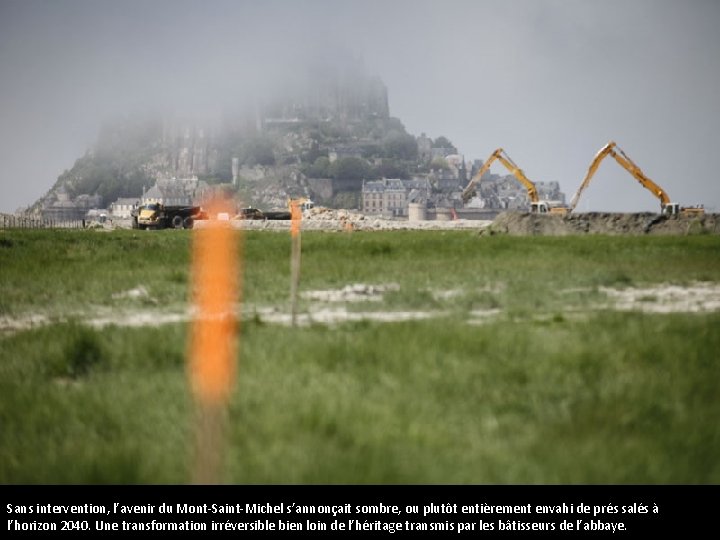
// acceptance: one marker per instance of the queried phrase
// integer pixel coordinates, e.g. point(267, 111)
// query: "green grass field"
point(523, 371)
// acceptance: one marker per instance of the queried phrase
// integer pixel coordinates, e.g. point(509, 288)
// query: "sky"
point(550, 81)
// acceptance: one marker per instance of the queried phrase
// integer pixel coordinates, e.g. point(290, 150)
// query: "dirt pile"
point(526, 224)
point(320, 213)
point(328, 219)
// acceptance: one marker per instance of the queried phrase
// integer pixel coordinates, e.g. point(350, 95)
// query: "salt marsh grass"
point(555, 387)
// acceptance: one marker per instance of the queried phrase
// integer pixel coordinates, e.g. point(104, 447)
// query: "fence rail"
point(12, 221)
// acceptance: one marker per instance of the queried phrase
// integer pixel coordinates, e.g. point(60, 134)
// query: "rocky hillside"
point(321, 143)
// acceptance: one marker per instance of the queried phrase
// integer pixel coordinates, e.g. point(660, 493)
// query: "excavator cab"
point(543, 207)
point(540, 207)
point(671, 209)
point(674, 209)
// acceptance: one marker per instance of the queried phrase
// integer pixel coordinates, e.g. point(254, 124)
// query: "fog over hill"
point(548, 80)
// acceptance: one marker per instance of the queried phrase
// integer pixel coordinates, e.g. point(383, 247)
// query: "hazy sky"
point(551, 81)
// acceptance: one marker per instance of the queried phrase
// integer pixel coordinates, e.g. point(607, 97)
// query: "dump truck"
point(159, 216)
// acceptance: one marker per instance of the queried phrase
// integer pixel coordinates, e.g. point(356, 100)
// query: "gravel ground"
point(511, 223)
point(326, 219)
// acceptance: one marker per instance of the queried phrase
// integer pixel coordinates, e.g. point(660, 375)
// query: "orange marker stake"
point(213, 337)
point(296, 217)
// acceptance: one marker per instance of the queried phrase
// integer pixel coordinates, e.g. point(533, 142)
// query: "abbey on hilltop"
point(332, 139)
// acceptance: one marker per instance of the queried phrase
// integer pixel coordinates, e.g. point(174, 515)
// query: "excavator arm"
point(594, 164)
point(517, 172)
point(469, 190)
point(611, 149)
point(648, 184)
point(503, 158)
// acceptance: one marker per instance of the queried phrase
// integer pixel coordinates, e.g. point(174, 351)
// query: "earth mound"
point(527, 224)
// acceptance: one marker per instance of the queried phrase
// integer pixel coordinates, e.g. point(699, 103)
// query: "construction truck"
point(304, 203)
point(536, 205)
point(252, 213)
point(611, 149)
point(159, 216)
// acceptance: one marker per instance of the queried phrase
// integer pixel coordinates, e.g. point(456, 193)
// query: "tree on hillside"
point(257, 151)
point(100, 174)
point(443, 142)
point(390, 168)
point(440, 163)
point(320, 168)
point(312, 154)
point(399, 145)
point(350, 168)
point(371, 150)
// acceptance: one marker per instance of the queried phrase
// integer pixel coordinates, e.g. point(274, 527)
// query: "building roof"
point(417, 195)
point(153, 193)
point(126, 201)
point(393, 184)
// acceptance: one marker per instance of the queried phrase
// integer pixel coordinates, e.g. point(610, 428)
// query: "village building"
point(424, 144)
point(123, 207)
point(390, 197)
point(175, 192)
point(166, 195)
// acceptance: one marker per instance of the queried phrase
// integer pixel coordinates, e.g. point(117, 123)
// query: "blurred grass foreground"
point(466, 359)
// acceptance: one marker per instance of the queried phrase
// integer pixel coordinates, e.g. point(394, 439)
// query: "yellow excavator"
point(536, 205)
point(611, 149)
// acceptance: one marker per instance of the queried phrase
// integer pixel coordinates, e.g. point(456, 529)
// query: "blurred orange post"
point(296, 220)
point(213, 337)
